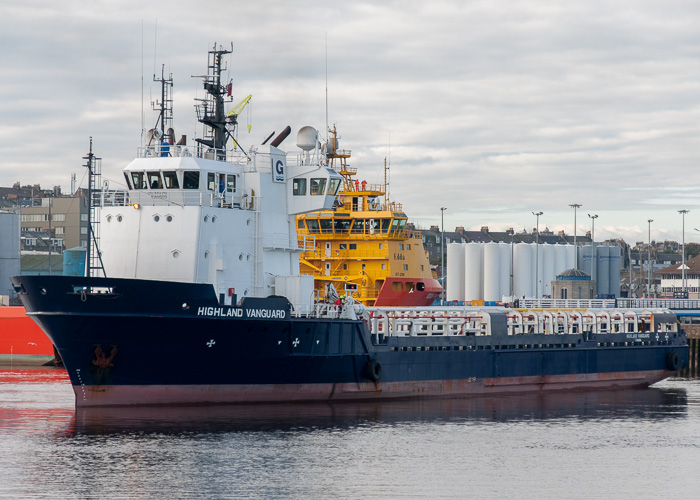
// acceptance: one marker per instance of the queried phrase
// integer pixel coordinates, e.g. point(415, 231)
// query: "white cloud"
point(491, 108)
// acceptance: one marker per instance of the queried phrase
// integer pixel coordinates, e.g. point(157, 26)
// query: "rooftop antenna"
point(326, 87)
point(165, 106)
point(387, 174)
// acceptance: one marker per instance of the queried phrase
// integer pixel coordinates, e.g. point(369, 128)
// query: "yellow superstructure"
point(363, 243)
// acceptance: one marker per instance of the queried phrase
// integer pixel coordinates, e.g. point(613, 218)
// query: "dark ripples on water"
point(625, 444)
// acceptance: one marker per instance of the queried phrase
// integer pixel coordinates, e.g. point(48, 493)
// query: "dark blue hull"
point(147, 342)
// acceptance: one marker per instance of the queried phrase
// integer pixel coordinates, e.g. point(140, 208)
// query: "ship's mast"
point(210, 110)
point(93, 258)
point(165, 106)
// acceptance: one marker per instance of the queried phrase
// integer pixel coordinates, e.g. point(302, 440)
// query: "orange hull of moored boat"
point(22, 342)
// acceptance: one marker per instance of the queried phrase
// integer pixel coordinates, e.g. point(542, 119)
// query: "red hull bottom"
point(408, 295)
point(124, 395)
point(22, 342)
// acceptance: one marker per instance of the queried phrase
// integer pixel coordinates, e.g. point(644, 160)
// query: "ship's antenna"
point(326, 87)
point(143, 117)
point(387, 174)
point(93, 257)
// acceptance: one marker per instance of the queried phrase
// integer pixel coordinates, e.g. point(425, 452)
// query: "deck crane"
point(232, 116)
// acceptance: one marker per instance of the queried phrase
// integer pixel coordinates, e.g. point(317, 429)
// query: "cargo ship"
point(363, 246)
point(200, 299)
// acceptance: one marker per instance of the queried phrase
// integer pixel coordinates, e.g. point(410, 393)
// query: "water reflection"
point(650, 403)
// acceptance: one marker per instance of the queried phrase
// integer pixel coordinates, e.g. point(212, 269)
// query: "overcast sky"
point(493, 109)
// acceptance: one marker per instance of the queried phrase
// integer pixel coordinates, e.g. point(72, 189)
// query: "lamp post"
point(575, 206)
point(649, 260)
point(593, 249)
point(683, 212)
point(442, 250)
point(537, 255)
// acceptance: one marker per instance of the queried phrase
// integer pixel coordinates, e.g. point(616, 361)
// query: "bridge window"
point(190, 179)
point(300, 224)
point(128, 181)
point(299, 187)
point(318, 186)
point(342, 225)
point(154, 181)
point(326, 225)
point(333, 186)
point(139, 179)
point(312, 225)
point(170, 179)
point(385, 225)
point(211, 181)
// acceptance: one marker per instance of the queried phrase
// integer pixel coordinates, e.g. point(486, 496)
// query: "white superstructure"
point(177, 224)
point(211, 213)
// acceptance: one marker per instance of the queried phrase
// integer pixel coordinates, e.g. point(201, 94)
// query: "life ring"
point(673, 361)
point(373, 370)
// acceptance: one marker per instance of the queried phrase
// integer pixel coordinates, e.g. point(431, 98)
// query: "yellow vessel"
point(362, 246)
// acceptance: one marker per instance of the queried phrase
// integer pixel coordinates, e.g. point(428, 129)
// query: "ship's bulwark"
point(176, 345)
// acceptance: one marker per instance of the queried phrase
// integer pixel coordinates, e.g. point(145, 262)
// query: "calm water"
point(627, 444)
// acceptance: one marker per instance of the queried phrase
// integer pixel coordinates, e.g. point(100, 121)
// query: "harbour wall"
point(693, 333)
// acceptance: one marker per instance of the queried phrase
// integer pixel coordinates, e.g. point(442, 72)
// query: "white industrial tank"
point(472, 271)
point(455, 272)
point(492, 272)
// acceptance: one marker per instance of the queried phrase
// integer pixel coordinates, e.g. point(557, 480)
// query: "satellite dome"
point(307, 138)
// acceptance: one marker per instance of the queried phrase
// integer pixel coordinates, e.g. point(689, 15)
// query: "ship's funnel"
point(281, 137)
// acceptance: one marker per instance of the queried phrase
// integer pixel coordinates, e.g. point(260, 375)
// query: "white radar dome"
point(307, 137)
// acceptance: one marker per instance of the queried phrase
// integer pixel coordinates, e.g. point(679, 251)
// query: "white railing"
point(448, 321)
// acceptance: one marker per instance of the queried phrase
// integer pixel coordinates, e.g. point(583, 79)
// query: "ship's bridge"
point(182, 176)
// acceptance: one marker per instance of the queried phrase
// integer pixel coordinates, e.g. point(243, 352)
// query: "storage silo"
point(548, 274)
point(473, 255)
point(504, 251)
point(559, 259)
point(455, 272)
point(523, 274)
point(9, 250)
point(585, 262)
point(615, 263)
point(570, 257)
point(603, 270)
point(492, 272)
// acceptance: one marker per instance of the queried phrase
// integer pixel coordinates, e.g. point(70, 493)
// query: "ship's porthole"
point(247, 257)
point(42, 291)
point(185, 306)
point(206, 218)
point(240, 257)
point(109, 218)
point(206, 255)
point(176, 254)
point(169, 218)
point(119, 218)
point(156, 218)
point(213, 219)
point(247, 222)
